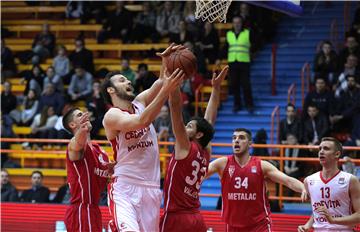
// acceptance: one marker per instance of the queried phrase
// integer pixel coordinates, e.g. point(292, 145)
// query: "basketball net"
point(212, 10)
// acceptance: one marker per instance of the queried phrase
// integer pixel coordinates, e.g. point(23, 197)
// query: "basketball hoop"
point(212, 10)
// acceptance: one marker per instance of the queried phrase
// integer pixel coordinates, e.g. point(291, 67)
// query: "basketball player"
point(134, 194)
point(88, 169)
point(189, 163)
point(334, 194)
point(245, 205)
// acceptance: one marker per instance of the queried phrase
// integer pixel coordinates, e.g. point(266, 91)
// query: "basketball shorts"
point(179, 222)
point(260, 227)
point(133, 207)
point(83, 217)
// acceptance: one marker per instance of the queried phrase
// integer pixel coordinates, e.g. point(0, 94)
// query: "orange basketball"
point(183, 59)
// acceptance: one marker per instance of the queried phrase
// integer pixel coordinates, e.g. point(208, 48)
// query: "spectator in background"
point(43, 123)
point(81, 57)
point(61, 62)
point(321, 97)
point(34, 80)
point(350, 68)
point(127, 71)
point(81, 85)
point(144, 25)
point(8, 99)
point(162, 124)
point(55, 79)
point(59, 132)
point(209, 42)
point(189, 16)
point(43, 44)
point(293, 168)
point(8, 66)
point(8, 191)
point(325, 63)
point(96, 106)
point(144, 78)
point(62, 195)
point(260, 138)
point(29, 108)
point(51, 98)
point(290, 125)
point(238, 45)
point(316, 126)
point(348, 166)
point(200, 58)
point(77, 10)
point(118, 25)
point(183, 35)
point(351, 48)
point(37, 193)
point(167, 22)
point(6, 132)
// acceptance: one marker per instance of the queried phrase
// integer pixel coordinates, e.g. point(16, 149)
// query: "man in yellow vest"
point(238, 44)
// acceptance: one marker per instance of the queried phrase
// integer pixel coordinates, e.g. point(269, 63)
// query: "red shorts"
point(260, 227)
point(82, 217)
point(173, 222)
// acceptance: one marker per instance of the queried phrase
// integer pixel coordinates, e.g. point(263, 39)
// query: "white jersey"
point(334, 195)
point(137, 154)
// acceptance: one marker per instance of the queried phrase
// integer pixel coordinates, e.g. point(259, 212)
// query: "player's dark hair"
point(202, 125)
point(106, 84)
point(338, 145)
point(38, 172)
point(67, 118)
point(248, 133)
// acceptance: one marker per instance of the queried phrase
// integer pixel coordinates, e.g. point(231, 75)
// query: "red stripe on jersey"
point(328, 180)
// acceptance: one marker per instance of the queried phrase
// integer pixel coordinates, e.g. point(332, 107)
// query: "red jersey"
point(183, 180)
point(87, 177)
point(245, 203)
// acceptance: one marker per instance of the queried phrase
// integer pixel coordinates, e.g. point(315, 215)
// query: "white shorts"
point(133, 207)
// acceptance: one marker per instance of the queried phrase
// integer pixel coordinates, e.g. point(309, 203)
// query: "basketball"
point(183, 59)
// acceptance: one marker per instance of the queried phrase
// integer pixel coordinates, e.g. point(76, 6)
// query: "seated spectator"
point(351, 48)
point(43, 123)
point(321, 97)
point(183, 35)
point(62, 195)
point(325, 62)
point(209, 43)
point(350, 68)
point(293, 168)
point(61, 62)
point(59, 132)
point(81, 85)
point(8, 191)
point(95, 104)
point(290, 125)
point(34, 80)
point(43, 44)
point(6, 132)
point(26, 114)
point(81, 56)
point(51, 98)
point(144, 78)
point(55, 79)
point(167, 22)
point(127, 71)
point(316, 126)
point(37, 193)
point(8, 66)
point(193, 25)
point(77, 10)
point(118, 25)
point(8, 99)
point(144, 25)
point(260, 138)
point(162, 124)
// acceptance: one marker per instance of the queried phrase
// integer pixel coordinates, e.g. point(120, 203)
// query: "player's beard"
point(124, 96)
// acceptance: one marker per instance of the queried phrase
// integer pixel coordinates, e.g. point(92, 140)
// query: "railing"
point(292, 94)
point(273, 69)
point(275, 120)
point(305, 80)
point(334, 35)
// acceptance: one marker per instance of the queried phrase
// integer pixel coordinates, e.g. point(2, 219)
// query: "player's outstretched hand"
point(322, 210)
point(303, 228)
point(217, 79)
point(173, 81)
point(172, 48)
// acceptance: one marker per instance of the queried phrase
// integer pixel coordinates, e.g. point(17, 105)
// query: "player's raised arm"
point(212, 107)
point(116, 120)
point(81, 137)
point(182, 142)
point(147, 96)
point(216, 166)
point(353, 219)
point(275, 175)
